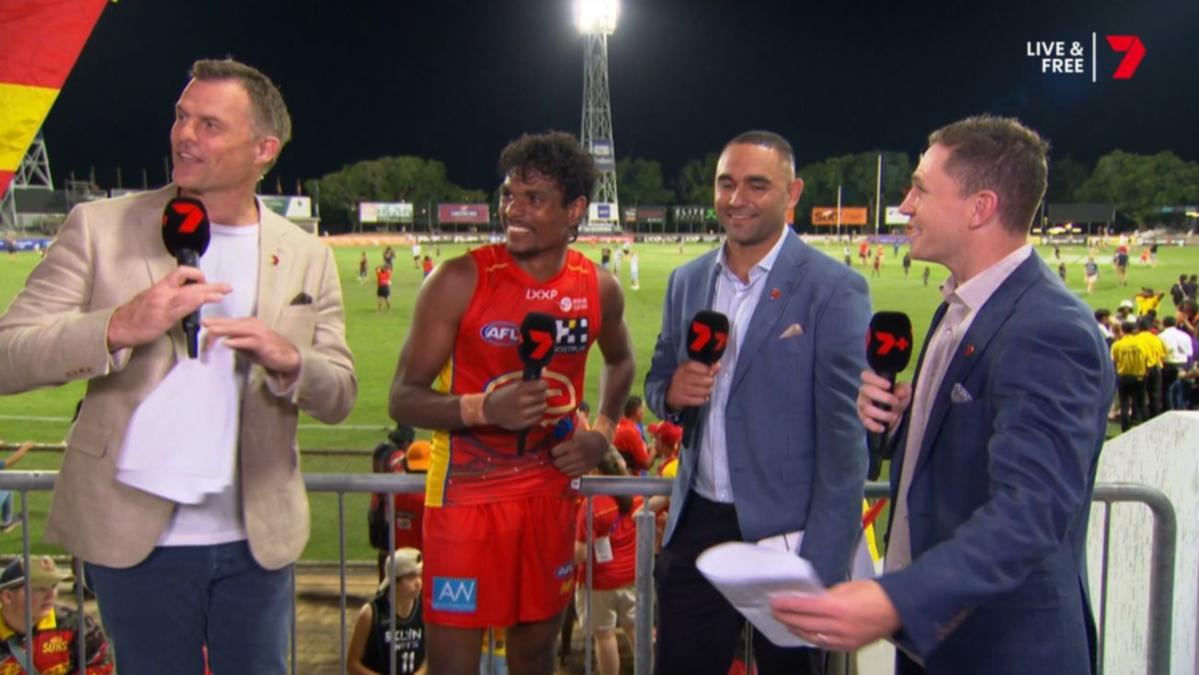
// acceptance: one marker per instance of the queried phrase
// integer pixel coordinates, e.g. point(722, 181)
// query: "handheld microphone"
point(707, 337)
point(185, 233)
point(888, 350)
point(536, 348)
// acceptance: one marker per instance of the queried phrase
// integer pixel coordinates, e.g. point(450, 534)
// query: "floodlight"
point(596, 17)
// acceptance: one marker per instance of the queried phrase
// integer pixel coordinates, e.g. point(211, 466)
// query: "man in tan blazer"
point(105, 306)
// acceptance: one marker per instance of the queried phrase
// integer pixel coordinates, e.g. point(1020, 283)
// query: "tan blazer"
point(55, 332)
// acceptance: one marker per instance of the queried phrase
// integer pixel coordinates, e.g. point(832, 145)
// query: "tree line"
point(1140, 186)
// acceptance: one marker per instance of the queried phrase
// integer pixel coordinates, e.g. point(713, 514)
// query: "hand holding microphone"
point(707, 338)
point(185, 233)
point(536, 349)
point(179, 294)
point(888, 350)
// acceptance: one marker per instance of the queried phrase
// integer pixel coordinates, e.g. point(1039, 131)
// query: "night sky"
point(455, 80)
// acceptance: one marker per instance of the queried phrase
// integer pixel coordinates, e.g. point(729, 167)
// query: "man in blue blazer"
point(998, 449)
point(776, 445)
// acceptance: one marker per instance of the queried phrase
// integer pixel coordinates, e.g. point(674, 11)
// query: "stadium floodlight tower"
point(596, 20)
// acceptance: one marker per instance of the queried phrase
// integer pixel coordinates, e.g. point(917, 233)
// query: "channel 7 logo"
point(1133, 50)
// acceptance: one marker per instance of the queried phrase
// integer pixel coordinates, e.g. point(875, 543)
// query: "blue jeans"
point(161, 612)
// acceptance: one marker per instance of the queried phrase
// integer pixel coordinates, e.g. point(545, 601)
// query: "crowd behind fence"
point(1161, 581)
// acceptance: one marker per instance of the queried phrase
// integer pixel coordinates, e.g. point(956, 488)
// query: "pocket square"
point(959, 394)
point(301, 299)
point(792, 330)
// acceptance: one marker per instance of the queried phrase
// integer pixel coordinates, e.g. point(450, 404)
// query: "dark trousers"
point(162, 612)
point(1169, 376)
point(699, 630)
point(1153, 390)
point(1131, 391)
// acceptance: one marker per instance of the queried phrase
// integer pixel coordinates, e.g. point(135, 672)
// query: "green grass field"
point(375, 339)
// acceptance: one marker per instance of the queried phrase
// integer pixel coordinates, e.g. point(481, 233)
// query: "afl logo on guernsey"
point(500, 333)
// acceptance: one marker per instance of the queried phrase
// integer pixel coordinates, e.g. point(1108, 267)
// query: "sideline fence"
point(1161, 575)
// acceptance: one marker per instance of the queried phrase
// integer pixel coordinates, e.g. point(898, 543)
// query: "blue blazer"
point(796, 450)
point(1001, 492)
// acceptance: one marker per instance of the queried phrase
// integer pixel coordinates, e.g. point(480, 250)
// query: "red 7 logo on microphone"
point(1134, 51)
point(702, 334)
point(544, 342)
point(192, 216)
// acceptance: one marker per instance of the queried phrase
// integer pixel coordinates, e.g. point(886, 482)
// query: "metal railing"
point(1161, 579)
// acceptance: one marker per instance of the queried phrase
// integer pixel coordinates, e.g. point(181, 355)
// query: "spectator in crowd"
point(388, 457)
point(107, 302)
point(373, 640)
point(52, 645)
point(1192, 287)
point(613, 561)
point(628, 439)
point(410, 506)
point(1155, 352)
point(1103, 317)
point(1147, 301)
point(1178, 291)
point(777, 446)
point(668, 440)
point(1179, 352)
point(1132, 364)
point(1125, 311)
point(8, 515)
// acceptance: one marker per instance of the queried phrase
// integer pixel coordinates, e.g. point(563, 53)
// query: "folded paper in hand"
point(748, 575)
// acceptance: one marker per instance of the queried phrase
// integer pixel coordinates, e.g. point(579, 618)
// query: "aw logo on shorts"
point(455, 595)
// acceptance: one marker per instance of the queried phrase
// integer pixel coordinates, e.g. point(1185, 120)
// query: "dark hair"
point(1169, 322)
point(555, 155)
point(1101, 315)
point(611, 465)
point(766, 139)
point(402, 436)
point(1129, 327)
point(999, 154)
point(632, 405)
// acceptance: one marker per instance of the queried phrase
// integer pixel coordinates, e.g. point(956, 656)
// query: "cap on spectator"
point(418, 455)
point(403, 561)
point(45, 573)
point(1126, 304)
point(667, 432)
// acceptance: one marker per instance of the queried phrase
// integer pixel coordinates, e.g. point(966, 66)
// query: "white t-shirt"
point(232, 258)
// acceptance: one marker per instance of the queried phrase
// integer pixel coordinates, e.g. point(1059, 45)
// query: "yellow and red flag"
point(40, 41)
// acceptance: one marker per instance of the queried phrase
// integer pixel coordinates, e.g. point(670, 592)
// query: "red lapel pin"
point(775, 294)
point(969, 350)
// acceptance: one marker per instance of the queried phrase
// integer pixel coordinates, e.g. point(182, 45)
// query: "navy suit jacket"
point(999, 500)
point(796, 450)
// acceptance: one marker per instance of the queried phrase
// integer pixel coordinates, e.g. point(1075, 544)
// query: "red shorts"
point(499, 564)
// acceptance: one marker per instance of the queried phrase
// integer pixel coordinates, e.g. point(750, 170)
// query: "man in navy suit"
point(999, 445)
point(777, 447)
